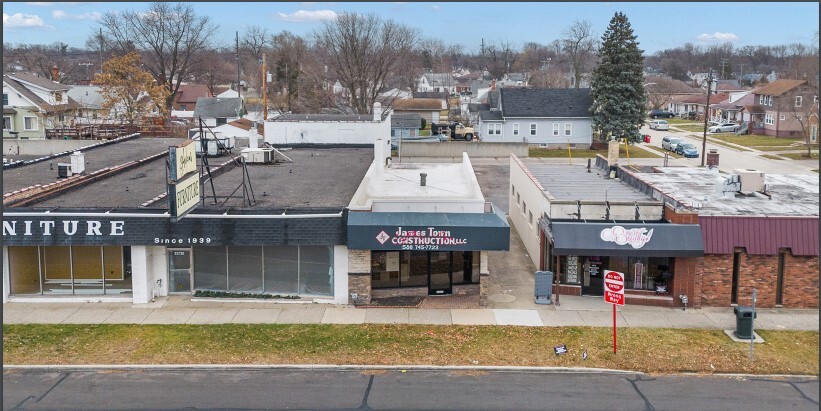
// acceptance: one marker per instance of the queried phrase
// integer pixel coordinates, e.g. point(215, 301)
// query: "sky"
point(658, 26)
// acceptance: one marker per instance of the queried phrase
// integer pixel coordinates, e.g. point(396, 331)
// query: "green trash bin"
point(744, 322)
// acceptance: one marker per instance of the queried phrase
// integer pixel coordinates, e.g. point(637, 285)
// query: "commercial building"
point(106, 233)
point(680, 235)
point(417, 229)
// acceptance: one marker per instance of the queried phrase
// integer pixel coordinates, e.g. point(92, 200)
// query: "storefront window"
point(270, 269)
point(390, 269)
point(281, 269)
point(641, 273)
point(91, 270)
point(245, 269)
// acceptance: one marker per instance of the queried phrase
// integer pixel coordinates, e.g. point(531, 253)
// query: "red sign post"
point(614, 294)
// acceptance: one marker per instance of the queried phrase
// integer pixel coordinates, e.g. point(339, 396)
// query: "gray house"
point(405, 126)
point(216, 111)
point(547, 117)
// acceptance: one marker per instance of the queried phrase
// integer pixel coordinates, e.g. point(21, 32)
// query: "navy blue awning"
point(428, 231)
point(632, 240)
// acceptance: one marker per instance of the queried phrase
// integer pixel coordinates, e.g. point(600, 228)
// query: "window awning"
point(428, 231)
point(632, 240)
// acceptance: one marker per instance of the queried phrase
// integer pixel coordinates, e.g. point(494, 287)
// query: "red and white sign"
point(614, 287)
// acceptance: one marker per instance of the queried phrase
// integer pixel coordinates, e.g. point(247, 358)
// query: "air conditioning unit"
point(258, 155)
point(78, 162)
point(751, 180)
point(64, 170)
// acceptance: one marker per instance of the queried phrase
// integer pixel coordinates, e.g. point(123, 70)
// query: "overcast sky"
point(658, 25)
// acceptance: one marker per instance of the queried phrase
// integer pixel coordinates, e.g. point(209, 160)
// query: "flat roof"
point(574, 183)
point(402, 181)
point(792, 194)
point(317, 178)
point(16, 178)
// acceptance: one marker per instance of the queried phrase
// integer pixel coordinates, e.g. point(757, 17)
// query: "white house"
point(436, 82)
point(31, 104)
point(216, 111)
point(548, 117)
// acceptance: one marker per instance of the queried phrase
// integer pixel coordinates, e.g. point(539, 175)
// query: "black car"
point(658, 113)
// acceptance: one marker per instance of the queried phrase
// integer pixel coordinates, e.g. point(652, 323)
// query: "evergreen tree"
point(619, 101)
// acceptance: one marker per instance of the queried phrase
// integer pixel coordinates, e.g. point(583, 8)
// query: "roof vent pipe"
point(423, 181)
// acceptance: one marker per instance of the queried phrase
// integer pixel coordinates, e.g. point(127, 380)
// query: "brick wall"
point(401, 292)
point(686, 281)
point(801, 280)
point(679, 217)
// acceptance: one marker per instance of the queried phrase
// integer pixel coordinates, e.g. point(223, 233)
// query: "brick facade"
point(800, 289)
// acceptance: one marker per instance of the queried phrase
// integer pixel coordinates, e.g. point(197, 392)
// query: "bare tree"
point(579, 43)
point(213, 68)
point(168, 35)
point(254, 41)
point(363, 50)
point(289, 51)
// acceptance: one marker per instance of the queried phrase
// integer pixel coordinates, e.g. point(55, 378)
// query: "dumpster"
point(544, 287)
point(744, 322)
point(646, 138)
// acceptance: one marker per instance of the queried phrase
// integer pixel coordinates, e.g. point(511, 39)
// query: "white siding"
point(527, 192)
point(582, 131)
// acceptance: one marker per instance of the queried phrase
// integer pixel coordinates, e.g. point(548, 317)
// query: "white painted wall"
point(327, 132)
point(526, 192)
point(140, 287)
point(158, 268)
point(340, 274)
point(6, 275)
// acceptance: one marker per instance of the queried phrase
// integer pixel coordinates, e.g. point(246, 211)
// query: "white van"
point(659, 125)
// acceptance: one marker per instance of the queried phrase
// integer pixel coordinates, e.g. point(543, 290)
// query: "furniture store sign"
point(635, 237)
point(160, 231)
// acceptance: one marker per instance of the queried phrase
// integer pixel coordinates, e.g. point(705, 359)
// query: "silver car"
point(723, 128)
point(659, 125)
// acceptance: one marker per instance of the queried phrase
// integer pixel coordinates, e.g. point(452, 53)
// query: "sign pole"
point(614, 328)
point(752, 327)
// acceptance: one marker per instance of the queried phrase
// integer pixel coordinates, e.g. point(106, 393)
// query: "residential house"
point(695, 104)
point(513, 80)
point(735, 108)
point(726, 86)
point(437, 82)
point(548, 117)
point(432, 110)
point(405, 126)
point(90, 105)
point(37, 104)
point(216, 111)
point(186, 99)
point(812, 122)
point(781, 107)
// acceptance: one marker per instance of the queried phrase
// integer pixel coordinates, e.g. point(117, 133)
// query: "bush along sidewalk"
point(225, 294)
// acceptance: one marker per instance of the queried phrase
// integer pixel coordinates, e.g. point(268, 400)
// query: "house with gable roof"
point(31, 104)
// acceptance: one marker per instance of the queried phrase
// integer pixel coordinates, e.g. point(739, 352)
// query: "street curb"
point(251, 367)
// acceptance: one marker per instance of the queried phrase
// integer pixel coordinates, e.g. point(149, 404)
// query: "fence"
point(105, 132)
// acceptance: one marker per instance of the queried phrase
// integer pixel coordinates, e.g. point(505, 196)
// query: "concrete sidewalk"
point(573, 311)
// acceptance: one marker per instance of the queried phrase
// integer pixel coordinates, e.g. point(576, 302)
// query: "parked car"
point(670, 142)
point(659, 125)
point(723, 128)
point(687, 150)
point(658, 113)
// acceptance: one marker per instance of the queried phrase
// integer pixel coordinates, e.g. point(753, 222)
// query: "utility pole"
point(86, 66)
point(706, 112)
point(264, 90)
point(239, 88)
point(101, 50)
point(723, 64)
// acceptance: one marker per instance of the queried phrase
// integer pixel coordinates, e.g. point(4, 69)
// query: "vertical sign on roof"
point(183, 179)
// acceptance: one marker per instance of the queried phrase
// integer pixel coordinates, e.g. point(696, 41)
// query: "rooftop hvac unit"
point(751, 180)
point(258, 155)
point(78, 162)
point(64, 170)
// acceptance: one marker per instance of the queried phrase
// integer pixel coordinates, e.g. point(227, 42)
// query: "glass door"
point(179, 270)
point(440, 279)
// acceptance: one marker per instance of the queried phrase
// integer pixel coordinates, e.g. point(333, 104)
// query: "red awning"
point(760, 235)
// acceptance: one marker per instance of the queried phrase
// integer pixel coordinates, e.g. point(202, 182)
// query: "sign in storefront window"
point(572, 276)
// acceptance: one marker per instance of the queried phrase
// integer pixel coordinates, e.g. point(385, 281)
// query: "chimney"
point(55, 73)
point(423, 179)
point(493, 85)
point(377, 112)
point(378, 158)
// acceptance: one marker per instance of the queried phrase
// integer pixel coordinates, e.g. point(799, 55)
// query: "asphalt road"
point(333, 389)
point(730, 158)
